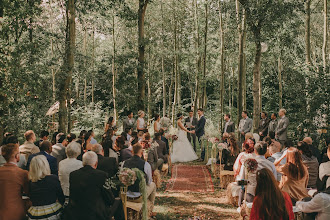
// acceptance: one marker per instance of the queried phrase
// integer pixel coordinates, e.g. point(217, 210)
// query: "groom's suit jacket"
point(199, 131)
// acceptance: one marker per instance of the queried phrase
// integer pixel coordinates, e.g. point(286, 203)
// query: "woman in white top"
point(157, 126)
point(140, 121)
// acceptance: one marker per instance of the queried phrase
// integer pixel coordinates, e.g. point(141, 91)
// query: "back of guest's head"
point(273, 202)
point(161, 131)
point(271, 134)
point(29, 135)
point(73, 150)
point(88, 136)
point(260, 147)
point(157, 136)
point(273, 148)
point(233, 145)
point(39, 168)
point(308, 140)
point(288, 143)
point(249, 145)
point(110, 120)
point(248, 135)
point(71, 137)
point(9, 151)
point(11, 140)
point(120, 142)
point(296, 166)
point(82, 134)
point(127, 130)
point(140, 133)
point(304, 148)
point(54, 137)
point(60, 137)
point(90, 158)
point(268, 140)
point(147, 136)
point(137, 148)
point(44, 134)
point(97, 148)
point(45, 146)
point(124, 134)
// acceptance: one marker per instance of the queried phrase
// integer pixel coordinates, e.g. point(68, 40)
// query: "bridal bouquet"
point(251, 165)
point(127, 176)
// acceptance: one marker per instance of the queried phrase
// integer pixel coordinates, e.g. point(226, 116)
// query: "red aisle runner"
point(187, 178)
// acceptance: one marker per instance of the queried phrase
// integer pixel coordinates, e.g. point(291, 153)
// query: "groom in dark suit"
point(190, 124)
point(199, 131)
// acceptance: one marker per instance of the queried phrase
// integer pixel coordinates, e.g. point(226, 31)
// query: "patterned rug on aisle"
point(187, 178)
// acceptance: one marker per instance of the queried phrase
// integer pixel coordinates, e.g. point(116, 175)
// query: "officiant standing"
point(190, 124)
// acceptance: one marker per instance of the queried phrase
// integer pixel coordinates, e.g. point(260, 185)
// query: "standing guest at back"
point(294, 175)
point(28, 147)
point(87, 143)
point(190, 123)
point(46, 150)
point(263, 125)
point(245, 125)
point(43, 137)
point(140, 124)
point(45, 193)
point(68, 165)
point(270, 202)
point(14, 182)
point(157, 125)
point(273, 123)
point(106, 164)
point(93, 141)
point(107, 142)
point(59, 148)
point(310, 162)
point(129, 122)
point(90, 193)
point(229, 125)
point(282, 127)
point(110, 124)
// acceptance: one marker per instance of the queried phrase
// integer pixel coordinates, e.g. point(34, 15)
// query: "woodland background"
point(163, 56)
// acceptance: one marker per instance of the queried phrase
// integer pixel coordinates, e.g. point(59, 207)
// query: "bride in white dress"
point(182, 149)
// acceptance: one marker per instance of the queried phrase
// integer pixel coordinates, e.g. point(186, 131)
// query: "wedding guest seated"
point(110, 124)
point(319, 204)
point(136, 162)
point(153, 159)
point(272, 137)
point(163, 138)
point(324, 170)
point(93, 141)
point(123, 151)
point(58, 150)
point(71, 137)
point(69, 165)
point(43, 137)
point(87, 142)
point(315, 151)
point(275, 154)
point(106, 164)
point(28, 147)
point(161, 149)
point(90, 194)
point(107, 142)
point(140, 135)
point(14, 182)
point(270, 202)
point(128, 132)
point(230, 154)
point(11, 139)
point(45, 192)
point(294, 175)
point(248, 152)
point(46, 150)
point(310, 162)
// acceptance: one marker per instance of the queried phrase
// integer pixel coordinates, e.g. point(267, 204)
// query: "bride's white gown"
point(182, 149)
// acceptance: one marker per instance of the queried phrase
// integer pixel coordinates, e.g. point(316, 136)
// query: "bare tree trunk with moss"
point(149, 88)
point(198, 58)
point(85, 67)
point(279, 65)
point(204, 96)
point(93, 65)
point(308, 31)
point(222, 60)
point(114, 70)
point(141, 59)
point(325, 35)
point(65, 84)
point(163, 68)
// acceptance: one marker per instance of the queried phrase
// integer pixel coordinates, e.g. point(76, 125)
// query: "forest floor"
point(194, 206)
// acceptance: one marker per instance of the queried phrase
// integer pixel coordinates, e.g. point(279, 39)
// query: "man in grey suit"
point(282, 127)
point(229, 125)
point(245, 125)
point(273, 123)
point(129, 122)
point(190, 124)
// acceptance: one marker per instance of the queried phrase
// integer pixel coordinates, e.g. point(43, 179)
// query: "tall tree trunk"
point(198, 58)
point(204, 97)
point(114, 70)
point(93, 65)
point(149, 88)
point(279, 65)
point(175, 63)
point(256, 79)
point(65, 84)
point(325, 35)
point(141, 58)
point(222, 83)
point(232, 90)
point(163, 68)
point(308, 31)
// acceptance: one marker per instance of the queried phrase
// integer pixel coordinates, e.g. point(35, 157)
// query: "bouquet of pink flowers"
point(127, 176)
point(214, 140)
point(251, 165)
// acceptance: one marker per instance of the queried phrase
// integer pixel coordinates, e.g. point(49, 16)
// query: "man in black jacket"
point(263, 125)
point(190, 123)
point(106, 164)
point(90, 193)
point(229, 125)
point(163, 138)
